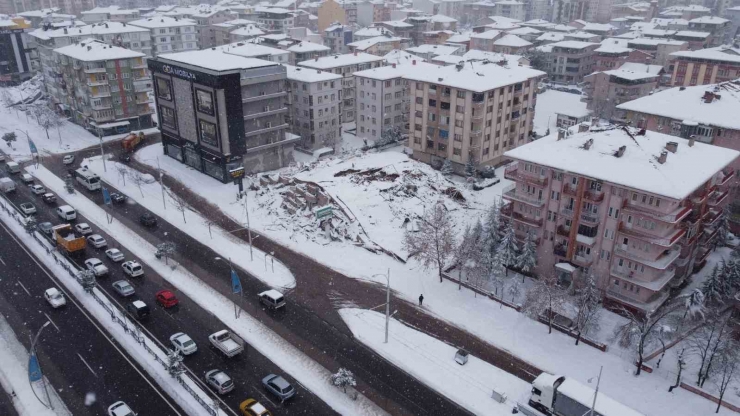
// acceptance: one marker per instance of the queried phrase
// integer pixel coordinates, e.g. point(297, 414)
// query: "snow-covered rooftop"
point(712, 20)
point(163, 21)
point(503, 19)
point(336, 61)
point(477, 77)
point(460, 38)
point(478, 55)
point(400, 57)
point(551, 36)
point(398, 23)
point(524, 31)
point(630, 75)
point(92, 50)
point(251, 50)
point(502, 25)
point(598, 27)
point(572, 44)
point(215, 60)
point(310, 75)
point(434, 49)
point(88, 30)
point(637, 168)
point(512, 40)
point(720, 53)
point(693, 34)
point(440, 18)
point(389, 72)
point(249, 30)
point(307, 46)
point(637, 67)
point(488, 34)
point(688, 104)
point(370, 31)
point(367, 43)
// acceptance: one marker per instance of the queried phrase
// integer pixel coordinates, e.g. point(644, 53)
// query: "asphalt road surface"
point(77, 356)
point(247, 370)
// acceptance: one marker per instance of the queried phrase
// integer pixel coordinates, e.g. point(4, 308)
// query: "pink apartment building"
point(635, 208)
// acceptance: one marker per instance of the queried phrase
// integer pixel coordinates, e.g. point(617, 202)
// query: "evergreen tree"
point(446, 168)
point(507, 251)
point(587, 302)
point(491, 229)
point(723, 228)
point(712, 288)
point(470, 168)
point(527, 260)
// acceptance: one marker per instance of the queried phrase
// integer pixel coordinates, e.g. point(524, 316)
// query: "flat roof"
point(477, 76)
point(92, 50)
point(309, 74)
point(389, 72)
point(215, 59)
point(335, 61)
point(163, 21)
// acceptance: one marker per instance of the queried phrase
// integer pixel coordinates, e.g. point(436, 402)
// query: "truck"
point(561, 396)
point(130, 142)
point(7, 185)
point(67, 239)
point(226, 342)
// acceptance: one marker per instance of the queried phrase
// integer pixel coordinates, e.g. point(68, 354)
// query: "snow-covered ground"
point(14, 378)
point(226, 245)
point(503, 327)
point(549, 103)
point(310, 374)
point(432, 362)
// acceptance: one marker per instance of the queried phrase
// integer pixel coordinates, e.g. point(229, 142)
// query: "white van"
point(66, 212)
point(7, 185)
point(12, 167)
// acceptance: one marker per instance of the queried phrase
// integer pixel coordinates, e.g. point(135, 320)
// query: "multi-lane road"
point(246, 370)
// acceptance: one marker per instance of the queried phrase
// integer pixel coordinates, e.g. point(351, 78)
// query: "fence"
point(119, 317)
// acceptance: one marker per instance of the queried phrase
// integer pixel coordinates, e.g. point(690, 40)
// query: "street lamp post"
point(387, 301)
point(102, 154)
point(35, 367)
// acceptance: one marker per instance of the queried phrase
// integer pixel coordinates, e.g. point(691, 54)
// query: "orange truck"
point(130, 142)
point(66, 238)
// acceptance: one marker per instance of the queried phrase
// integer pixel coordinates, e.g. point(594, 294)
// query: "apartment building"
point(717, 26)
point(169, 34)
point(346, 65)
point(571, 60)
point(275, 19)
point(206, 17)
point(511, 44)
point(39, 17)
point(612, 56)
point(379, 45)
point(315, 103)
point(484, 41)
point(222, 31)
point(371, 11)
point(708, 112)
point(219, 111)
point(383, 98)
point(257, 51)
point(337, 37)
point(240, 34)
point(635, 209)
point(109, 14)
point(661, 49)
point(399, 28)
point(303, 51)
point(333, 11)
point(705, 66)
point(71, 7)
point(101, 87)
point(605, 90)
point(471, 111)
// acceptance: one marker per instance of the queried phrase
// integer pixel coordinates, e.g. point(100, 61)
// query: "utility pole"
point(33, 362)
point(249, 229)
point(387, 303)
point(596, 393)
point(102, 153)
point(161, 185)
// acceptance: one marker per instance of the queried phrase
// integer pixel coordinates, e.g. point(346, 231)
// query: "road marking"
point(86, 364)
point(95, 324)
point(267, 398)
point(52, 322)
point(24, 288)
point(1, 261)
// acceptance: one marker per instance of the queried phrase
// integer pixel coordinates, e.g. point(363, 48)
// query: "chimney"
point(394, 65)
point(355, 52)
point(594, 121)
point(663, 157)
point(317, 59)
point(583, 127)
point(561, 134)
point(588, 144)
point(708, 97)
point(413, 62)
point(621, 150)
point(672, 147)
point(692, 139)
point(65, 30)
point(89, 48)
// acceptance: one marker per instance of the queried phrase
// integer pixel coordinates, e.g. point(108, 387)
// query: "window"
point(457, 151)
point(442, 146)
point(419, 100)
point(204, 101)
point(164, 89)
point(555, 195)
point(432, 103)
point(208, 133)
point(460, 108)
point(461, 94)
point(168, 117)
point(458, 123)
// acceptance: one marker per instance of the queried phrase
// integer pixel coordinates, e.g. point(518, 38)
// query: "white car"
point(83, 228)
point(55, 297)
point(132, 268)
point(183, 343)
point(120, 409)
point(28, 208)
point(38, 189)
point(114, 254)
point(97, 241)
point(96, 266)
point(26, 178)
point(123, 288)
point(68, 160)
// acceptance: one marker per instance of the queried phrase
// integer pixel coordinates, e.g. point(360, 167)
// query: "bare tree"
point(727, 369)
point(433, 243)
point(138, 179)
point(587, 302)
point(545, 297)
point(462, 253)
point(680, 365)
point(45, 116)
point(166, 250)
point(706, 342)
point(6, 99)
point(642, 331)
point(122, 172)
point(209, 223)
point(179, 203)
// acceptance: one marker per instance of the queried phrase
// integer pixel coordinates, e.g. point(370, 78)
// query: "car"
point(68, 159)
point(183, 343)
point(28, 208)
point(96, 266)
point(45, 227)
point(114, 254)
point(132, 268)
point(251, 407)
point(49, 198)
point(166, 299)
point(272, 299)
point(26, 178)
point(97, 241)
point(37, 189)
point(55, 297)
point(120, 409)
point(138, 309)
point(219, 381)
point(83, 228)
point(278, 386)
point(148, 220)
point(123, 288)
point(117, 198)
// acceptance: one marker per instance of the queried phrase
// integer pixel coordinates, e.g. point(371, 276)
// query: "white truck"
point(7, 185)
point(561, 396)
point(226, 342)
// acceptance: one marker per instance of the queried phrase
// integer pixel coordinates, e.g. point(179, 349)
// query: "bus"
point(88, 179)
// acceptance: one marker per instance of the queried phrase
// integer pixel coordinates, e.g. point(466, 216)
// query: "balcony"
point(142, 100)
point(102, 106)
point(664, 259)
point(568, 212)
point(266, 113)
point(726, 177)
point(142, 88)
point(530, 199)
point(678, 215)
point(590, 218)
point(265, 130)
point(100, 94)
point(517, 216)
point(583, 260)
point(655, 285)
point(95, 70)
point(563, 231)
point(717, 198)
point(569, 189)
point(594, 196)
point(661, 241)
point(264, 97)
point(653, 303)
point(703, 253)
point(95, 82)
point(513, 173)
point(560, 250)
point(711, 217)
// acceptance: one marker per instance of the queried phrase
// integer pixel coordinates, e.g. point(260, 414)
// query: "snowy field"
point(550, 102)
point(503, 327)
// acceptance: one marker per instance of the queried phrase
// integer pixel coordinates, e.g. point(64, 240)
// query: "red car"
point(166, 298)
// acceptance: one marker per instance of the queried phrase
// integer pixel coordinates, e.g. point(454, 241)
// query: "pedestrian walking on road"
point(421, 299)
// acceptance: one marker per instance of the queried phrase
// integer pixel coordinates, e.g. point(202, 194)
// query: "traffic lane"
point(302, 326)
point(76, 357)
point(189, 318)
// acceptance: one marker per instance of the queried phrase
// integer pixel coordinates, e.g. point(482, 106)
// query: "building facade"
point(219, 111)
point(169, 34)
point(705, 66)
point(571, 60)
point(315, 101)
point(16, 64)
point(607, 89)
